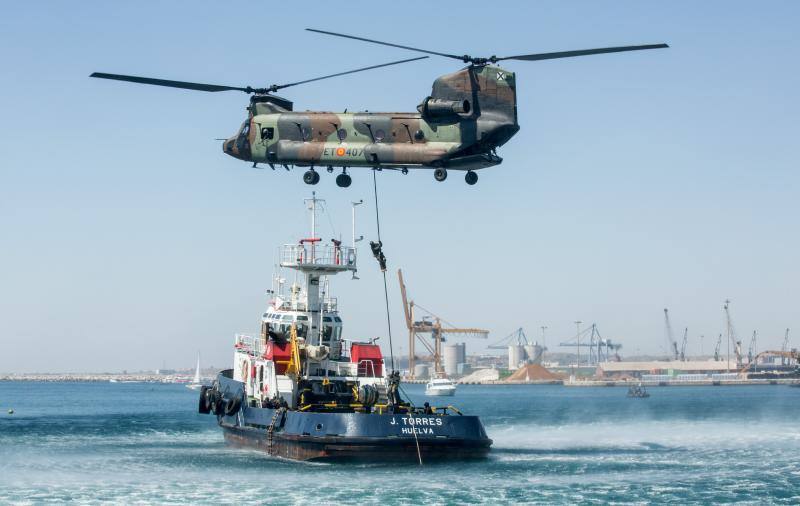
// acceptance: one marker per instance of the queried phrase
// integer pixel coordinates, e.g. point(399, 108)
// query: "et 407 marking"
point(343, 151)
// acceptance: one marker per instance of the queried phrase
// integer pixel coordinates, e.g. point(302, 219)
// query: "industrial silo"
point(451, 359)
point(534, 353)
point(421, 371)
point(516, 354)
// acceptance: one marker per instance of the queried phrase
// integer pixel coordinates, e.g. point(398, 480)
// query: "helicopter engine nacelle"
point(439, 108)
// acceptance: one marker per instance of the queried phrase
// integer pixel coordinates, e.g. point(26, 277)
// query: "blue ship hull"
point(318, 436)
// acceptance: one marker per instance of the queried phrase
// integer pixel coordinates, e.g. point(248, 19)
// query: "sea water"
point(145, 443)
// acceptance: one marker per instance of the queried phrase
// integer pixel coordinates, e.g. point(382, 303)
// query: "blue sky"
point(638, 181)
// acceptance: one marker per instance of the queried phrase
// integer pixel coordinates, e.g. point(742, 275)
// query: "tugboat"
point(301, 391)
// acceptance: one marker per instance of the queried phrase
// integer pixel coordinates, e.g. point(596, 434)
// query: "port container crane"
point(429, 324)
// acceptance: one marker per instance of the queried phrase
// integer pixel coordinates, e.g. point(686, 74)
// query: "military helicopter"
point(459, 126)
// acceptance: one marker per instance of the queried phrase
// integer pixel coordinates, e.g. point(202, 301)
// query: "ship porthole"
point(319, 426)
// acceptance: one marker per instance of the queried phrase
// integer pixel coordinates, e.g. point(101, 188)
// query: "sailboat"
point(196, 383)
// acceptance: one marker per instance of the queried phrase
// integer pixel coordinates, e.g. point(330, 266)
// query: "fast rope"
point(413, 428)
point(378, 252)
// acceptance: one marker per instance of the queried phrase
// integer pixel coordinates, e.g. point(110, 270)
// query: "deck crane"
point(429, 324)
point(672, 344)
point(683, 344)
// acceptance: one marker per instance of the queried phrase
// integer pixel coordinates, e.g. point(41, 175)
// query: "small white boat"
point(196, 383)
point(440, 386)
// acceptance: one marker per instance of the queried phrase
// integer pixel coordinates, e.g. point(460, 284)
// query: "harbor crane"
point(672, 345)
point(751, 351)
point(788, 356)
point(732, 340)
point(683, 345)
point(600, 349)
point(717, 347)
point(430, 324)
point(785, 346)
point(516, 337)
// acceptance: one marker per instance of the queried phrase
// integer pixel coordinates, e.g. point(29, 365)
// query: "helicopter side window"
point(267, 133)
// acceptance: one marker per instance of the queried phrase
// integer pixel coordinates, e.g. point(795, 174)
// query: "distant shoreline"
point(97, 377)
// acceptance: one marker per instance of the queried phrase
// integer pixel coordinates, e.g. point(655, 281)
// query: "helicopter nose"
point(229, 147)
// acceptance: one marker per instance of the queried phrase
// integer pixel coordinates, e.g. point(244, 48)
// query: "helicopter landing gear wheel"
point(440, 174)
point(471, 177)
point(404, 170)
point(311, 177)
point(343, 180)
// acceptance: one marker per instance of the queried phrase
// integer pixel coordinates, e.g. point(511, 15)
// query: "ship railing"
point(323, 255)
point(329, 304)
point(366, 368)
point(250, 344)
point(346, 369)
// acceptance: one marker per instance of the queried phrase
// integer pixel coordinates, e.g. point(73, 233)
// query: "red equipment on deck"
point(368, 357)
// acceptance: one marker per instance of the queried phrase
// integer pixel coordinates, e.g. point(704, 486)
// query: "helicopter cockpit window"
point(267, 133)
point(246, 128)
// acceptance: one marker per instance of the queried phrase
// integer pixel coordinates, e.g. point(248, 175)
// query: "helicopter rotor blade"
point(581, 52)
point(457, 57)
point(171, 84)
point(276, 87)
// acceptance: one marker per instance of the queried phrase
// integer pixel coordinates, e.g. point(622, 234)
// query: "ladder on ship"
point(271, 430)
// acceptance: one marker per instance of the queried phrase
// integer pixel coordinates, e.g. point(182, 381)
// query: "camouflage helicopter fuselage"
point(468, 114)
